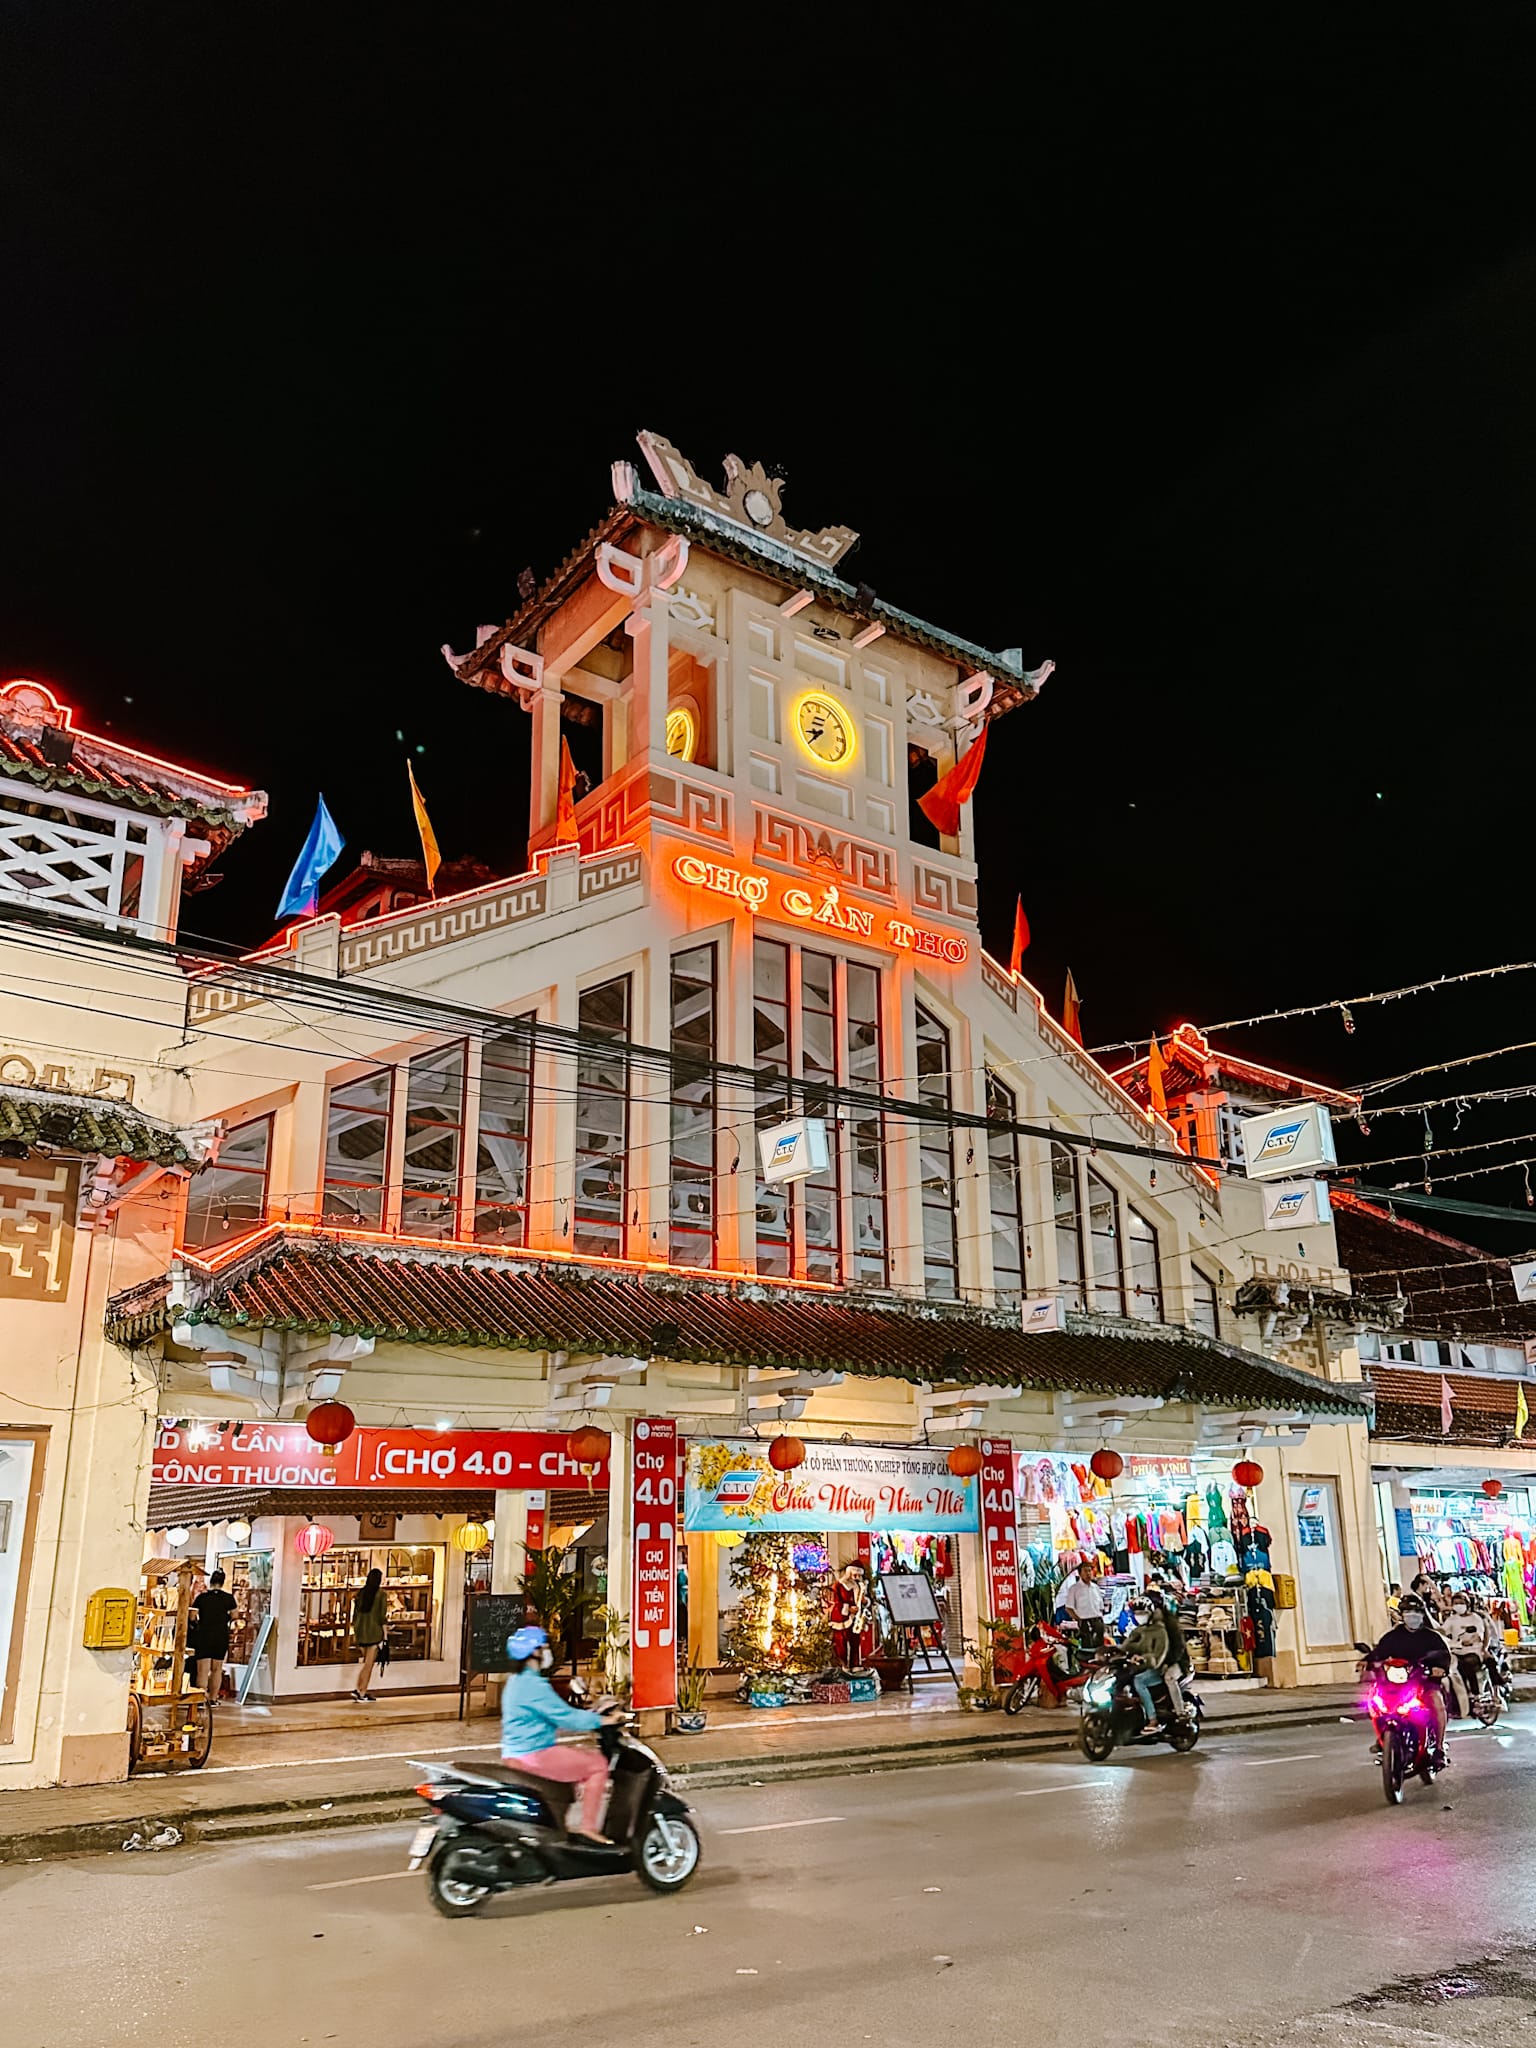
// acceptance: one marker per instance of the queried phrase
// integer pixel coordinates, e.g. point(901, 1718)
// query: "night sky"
point(1195, 354)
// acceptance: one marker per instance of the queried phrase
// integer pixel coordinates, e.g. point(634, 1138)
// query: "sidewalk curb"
point(381, 1807)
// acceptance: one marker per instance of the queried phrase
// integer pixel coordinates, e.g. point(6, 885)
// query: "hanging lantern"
point(1106, 1464)
point(313, 1540)
point(728, 1539)
point(588, 1446)
point(965, 1461)
point(329, 1423)
point(177, 1536)
point(785, 1453)
point(471, 1536)
point(238, 1533)
point(1493, 1488)
point(1247, 1473)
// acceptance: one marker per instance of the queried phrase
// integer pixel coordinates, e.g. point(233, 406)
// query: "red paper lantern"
point(1493, 1488)
point(785, 1453)
point(330, 1423)
point(965, 1461)
point(1106, 1464)
point(313, 1540)
point(1246, 1473)
point(589, 1446)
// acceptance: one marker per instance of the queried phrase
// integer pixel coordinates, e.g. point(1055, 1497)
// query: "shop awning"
point(196, 1506)
point(319, 1284)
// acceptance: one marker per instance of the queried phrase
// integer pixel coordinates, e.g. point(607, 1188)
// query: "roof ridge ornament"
point(751, 499)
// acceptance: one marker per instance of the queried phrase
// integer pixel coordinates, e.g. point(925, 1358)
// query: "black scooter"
point(499, 1829)
point(1112, 1716)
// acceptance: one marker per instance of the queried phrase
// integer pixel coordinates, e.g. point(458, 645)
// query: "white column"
point(510, 1557)
point(619, 1533)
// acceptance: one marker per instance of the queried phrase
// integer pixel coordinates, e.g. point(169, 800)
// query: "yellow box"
point(1285, 1590)
point(110, 1614)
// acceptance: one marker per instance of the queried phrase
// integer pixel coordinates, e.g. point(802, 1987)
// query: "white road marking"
point(770, 1827)
point(1083, 1785)
point(1257, 1763)
point(339, 1884)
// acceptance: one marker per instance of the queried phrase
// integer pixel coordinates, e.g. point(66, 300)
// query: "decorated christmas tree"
point(781, 1622)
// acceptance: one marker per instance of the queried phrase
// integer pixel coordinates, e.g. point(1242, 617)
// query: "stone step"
point(255, 1823)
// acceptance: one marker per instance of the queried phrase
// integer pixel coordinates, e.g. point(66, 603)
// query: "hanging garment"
point(1215, 1513)
point(1117, 1528)
point(1194, 1510)
point(1170, 1530)
point(1223, 1557)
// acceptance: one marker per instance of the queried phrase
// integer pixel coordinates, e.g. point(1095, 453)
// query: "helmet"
point(526, 1643)
point(1411, 1604)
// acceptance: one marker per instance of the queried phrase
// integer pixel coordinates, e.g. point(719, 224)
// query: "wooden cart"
point(170, 1723)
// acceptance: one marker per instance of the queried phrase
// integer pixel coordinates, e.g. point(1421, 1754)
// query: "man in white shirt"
point(1079, 1597)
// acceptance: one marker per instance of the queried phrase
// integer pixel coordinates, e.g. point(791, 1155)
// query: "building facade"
point(490, 1164)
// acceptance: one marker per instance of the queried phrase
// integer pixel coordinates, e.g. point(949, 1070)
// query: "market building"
point(532, 1198)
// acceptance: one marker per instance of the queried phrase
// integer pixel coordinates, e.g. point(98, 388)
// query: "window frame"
point(1201, 1280)
point(1135, 1290)
point(937, 1090)
point(1069, 1226)
point(240, 1174)
point(447, 1227)
point(1003, 1156)
point(521, 1141)
point(1113, 1236)
point(384, 1186)
point(588, 1090)
point(701, 1060)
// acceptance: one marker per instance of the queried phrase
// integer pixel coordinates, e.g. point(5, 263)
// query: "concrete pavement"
point(275, 1775)
point(1252, 1893)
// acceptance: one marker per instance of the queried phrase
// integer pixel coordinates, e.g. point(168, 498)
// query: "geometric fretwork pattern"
point(37, 1228)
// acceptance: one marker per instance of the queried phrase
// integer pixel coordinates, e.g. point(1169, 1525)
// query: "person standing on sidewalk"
point(212, 1613)
point(370, 1626)
point(1079, 1596)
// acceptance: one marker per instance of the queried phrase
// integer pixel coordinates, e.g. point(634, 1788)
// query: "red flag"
point(1020, 939)
point(1072, 1011)
point(941, 806)
point(1155, 1089)
point(565, 809)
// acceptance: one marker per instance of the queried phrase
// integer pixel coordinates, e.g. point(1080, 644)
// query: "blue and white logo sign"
point(1288, 1141)
point(791, 1151)
point(1294, 1204)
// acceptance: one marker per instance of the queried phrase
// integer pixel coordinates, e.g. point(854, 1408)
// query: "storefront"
point(1464, 1539)
point(764, 1547)
point(297, 1532)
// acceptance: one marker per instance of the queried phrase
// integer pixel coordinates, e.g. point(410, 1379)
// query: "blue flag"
point(321, 850)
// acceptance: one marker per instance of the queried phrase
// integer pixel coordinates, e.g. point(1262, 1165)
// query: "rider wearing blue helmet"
point(532, 1716)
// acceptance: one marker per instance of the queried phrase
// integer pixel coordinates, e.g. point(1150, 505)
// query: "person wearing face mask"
point(1416, 1642)
point(532, 1716)
point(1470, 1634)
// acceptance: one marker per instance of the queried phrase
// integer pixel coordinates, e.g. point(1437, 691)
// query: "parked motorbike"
point(1404, 1723)
point(1113, 1719)
point(1051, 1663)
point(1487, 1696)
point(500, 1829)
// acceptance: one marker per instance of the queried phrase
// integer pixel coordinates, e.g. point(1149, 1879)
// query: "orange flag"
point(941, 806)
point(565, 809)
point(431, 857)
point(1155, 1089)
point(1020, 939)
point(1072, 1011)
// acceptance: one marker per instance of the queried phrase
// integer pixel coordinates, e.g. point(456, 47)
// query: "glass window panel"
point(502, 1155)
point(357, 1149)
point(1205, 1307)
point(691, 1233)
point(1143, 1269)
point(231, 1195)
point(602, 1123)
point(1004, 1195)
point(1069, 1227)
point(936, 1162)
point(434, 1141)
point(1104, 1247)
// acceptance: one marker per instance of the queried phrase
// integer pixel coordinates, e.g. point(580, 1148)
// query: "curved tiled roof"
point(326, 1284)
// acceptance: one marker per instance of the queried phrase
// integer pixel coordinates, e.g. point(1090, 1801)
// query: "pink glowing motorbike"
point(1398, 1701)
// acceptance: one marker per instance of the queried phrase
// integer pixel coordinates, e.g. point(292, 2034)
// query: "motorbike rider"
point(1471, 1635)
point(1150, 1641)
point(532, 1716)
point(1415, 1641)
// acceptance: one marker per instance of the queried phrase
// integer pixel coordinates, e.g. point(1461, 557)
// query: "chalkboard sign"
point(492, 1617)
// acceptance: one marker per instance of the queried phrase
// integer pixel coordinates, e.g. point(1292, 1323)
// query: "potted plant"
point(612, 1651)
point(689, 1716)
point(982, 1697)
point(552, 1589)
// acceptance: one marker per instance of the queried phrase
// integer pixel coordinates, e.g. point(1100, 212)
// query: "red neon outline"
point(67, 719)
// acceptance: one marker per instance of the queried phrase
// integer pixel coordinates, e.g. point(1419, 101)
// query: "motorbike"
point(1112, 1716)
point(499, 1829)
point(1051, 1661)
point(1488, 1689)
point(1403, 1720)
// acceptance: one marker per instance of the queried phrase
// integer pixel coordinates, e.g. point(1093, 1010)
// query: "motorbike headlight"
point(1099, 1692)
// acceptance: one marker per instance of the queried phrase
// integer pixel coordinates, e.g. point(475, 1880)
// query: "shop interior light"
point(443, 1422)
point(239, 1533)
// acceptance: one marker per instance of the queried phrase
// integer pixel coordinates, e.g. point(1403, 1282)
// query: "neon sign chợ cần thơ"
point(826, 909)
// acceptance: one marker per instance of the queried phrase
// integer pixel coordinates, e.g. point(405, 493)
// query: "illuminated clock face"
point(682, 732)
point(825, 730)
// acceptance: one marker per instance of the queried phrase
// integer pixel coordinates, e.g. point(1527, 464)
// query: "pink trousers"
point(568, 1766)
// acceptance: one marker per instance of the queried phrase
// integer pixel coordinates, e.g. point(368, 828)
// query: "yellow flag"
point(1522, 1413)
point(429, 852)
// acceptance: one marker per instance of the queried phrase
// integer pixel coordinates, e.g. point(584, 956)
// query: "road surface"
point(1257, 1892)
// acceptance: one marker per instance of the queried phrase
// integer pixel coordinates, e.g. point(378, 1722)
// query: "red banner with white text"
point(653, 1576)
point(1000, 1529)
point(280, 1454)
